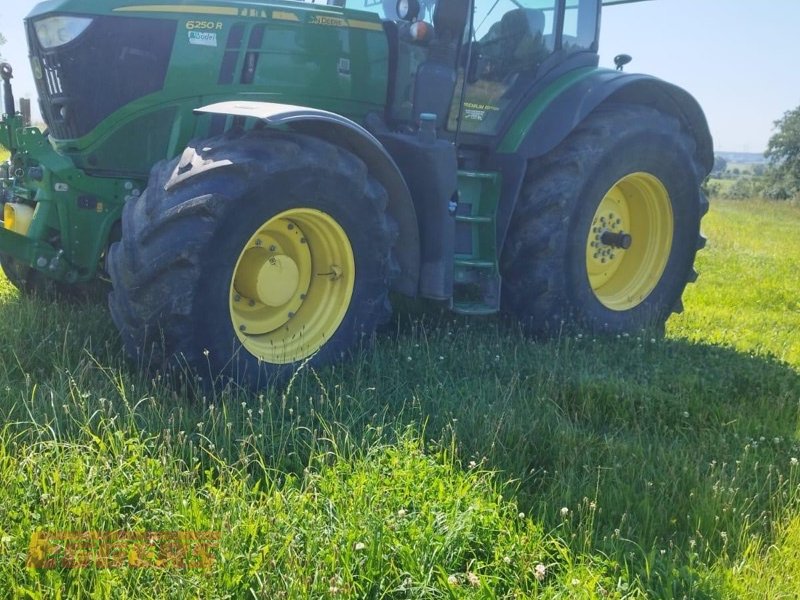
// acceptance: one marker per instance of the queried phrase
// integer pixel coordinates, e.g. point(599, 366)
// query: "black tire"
point(172, 272)
point(545, 264)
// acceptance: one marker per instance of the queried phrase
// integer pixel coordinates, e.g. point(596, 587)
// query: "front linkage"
point(57, 220)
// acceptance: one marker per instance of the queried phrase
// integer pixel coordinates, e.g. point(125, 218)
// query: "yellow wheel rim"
point(292, 285)
point(636, 212)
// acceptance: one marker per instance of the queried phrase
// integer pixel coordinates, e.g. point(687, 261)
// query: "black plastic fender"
point(343, 132)
point(572, 106)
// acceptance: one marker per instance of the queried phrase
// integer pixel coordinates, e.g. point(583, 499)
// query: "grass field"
point(455, 459)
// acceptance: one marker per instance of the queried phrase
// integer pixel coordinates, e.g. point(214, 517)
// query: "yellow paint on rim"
point(292, 285)
point(637, 205)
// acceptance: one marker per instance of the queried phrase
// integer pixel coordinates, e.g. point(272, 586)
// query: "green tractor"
point(254, 178)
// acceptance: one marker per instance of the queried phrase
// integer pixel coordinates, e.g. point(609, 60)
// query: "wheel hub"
point(271, 280)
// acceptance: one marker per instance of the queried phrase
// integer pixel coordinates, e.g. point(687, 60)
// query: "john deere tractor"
point(251, 179)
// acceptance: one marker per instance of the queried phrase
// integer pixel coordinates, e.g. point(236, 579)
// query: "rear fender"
point(536, 132)
point(343, 132)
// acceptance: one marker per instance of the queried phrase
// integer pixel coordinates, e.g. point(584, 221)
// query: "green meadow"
point(453, 458)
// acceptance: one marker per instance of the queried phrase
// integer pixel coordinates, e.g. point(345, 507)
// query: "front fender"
point(343, 132)
point(541, 127)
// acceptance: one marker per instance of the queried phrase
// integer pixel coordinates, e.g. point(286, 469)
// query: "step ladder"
point(476, 276)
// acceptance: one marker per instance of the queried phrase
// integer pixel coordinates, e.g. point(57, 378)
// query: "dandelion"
point(575, 582)
point(408, 358)
point(540, 571)
point(564, 512)
point(686, 414)
point(402, 513)
point(472, 464)
point(473, 579)
point(452, 580)
point(793, 461)
point(507, 560)
point(359, 546)
point(521, 515)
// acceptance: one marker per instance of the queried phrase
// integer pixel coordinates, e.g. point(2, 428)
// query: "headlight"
point(57, 31)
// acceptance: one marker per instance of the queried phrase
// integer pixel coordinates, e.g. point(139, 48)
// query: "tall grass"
point(453, 459)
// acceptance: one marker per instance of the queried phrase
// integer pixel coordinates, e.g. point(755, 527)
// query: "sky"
point(739, 58)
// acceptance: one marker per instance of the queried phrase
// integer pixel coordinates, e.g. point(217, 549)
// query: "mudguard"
point(343, 132)
point(536, 132)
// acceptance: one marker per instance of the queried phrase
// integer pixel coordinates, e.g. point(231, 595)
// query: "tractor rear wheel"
point(606, 229)
point(252, 253)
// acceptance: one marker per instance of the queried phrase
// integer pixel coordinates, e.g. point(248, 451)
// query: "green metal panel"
point(305, 54)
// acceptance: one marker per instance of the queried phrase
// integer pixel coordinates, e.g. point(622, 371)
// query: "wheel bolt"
point(242, 328)
point(236, 297)
point(291, 315)
point(258, 242)
point(273, 248)
point(291, 226)
point(252, 303)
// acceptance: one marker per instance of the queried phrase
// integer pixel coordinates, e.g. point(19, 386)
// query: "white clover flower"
point(540, 571)
point(793, 461)
point(359, 546)
point(564, 512)
point(473, 579)
point(452, 580)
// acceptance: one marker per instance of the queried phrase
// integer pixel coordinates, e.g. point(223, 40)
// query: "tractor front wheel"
point(250, 254)
point(606, 230)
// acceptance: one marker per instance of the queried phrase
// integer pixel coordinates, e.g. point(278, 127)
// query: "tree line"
point(779, 179)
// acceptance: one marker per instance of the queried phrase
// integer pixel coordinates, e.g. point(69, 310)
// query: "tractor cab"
point(479, 70)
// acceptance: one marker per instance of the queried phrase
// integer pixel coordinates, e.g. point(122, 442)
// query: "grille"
point(115, 61)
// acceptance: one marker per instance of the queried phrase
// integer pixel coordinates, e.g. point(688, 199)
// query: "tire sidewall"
point(269, 195)
point(663, 157)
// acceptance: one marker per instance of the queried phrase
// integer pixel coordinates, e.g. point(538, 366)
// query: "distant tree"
point(720, 164)
point(711, 188)
point(783, 154)
point(741, 189)
point(759, 170)
point(2, 41)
